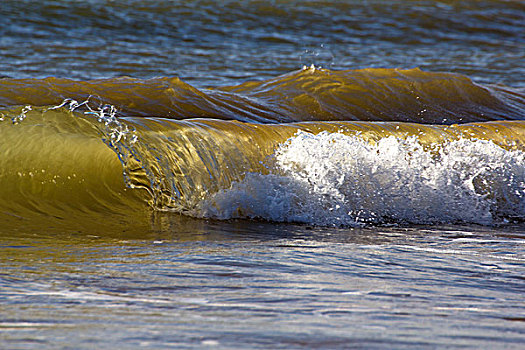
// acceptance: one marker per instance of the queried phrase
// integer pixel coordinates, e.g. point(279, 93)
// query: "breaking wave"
point(372, 146)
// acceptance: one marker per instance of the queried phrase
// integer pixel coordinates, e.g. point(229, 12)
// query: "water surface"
point(262, 174)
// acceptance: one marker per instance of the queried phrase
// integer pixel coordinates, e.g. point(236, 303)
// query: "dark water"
point(262, 174)
point(224, 42)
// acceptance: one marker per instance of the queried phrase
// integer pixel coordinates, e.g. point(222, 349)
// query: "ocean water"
point(262, 174)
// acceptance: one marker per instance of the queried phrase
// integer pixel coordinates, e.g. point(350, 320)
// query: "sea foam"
point(336, 179)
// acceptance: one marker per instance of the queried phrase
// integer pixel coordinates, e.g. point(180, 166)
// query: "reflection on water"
point(186, 283)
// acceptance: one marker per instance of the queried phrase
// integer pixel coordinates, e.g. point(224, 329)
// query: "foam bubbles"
point(336, 179)
point(19, 117)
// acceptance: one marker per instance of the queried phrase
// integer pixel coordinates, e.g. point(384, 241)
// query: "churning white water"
point(335, 179)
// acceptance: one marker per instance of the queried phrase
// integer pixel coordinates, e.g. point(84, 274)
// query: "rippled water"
point(223, 196)
point(196, 284)
point(220, 42)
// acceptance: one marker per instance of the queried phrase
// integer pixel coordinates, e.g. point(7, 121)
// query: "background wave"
point(309, 94)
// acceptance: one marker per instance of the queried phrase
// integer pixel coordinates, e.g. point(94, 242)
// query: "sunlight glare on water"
point(258, 285)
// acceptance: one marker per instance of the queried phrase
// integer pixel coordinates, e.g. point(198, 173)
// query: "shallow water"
point(195, 284)
point(171, 176)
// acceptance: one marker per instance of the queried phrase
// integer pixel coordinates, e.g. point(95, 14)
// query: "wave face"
point(315, 146)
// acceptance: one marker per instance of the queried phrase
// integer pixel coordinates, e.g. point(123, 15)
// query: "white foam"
point(335, 179)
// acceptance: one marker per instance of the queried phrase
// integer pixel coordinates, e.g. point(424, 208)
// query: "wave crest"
point(310, 94)
point(336, 179)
